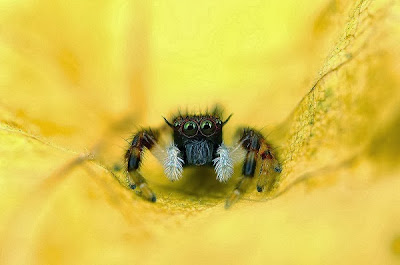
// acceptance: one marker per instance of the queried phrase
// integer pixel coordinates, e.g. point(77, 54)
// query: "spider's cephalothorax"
point(197, 137)
point(197, 141)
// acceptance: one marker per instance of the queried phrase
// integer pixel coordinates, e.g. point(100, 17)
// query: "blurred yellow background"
point(320, 78)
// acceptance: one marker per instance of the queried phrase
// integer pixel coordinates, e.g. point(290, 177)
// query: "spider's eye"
point(207, 127)
point(190, 128)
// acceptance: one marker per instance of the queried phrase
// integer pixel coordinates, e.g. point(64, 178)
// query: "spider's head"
point(197, 137)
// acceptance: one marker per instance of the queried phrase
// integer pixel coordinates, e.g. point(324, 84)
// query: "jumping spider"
point(197, 141)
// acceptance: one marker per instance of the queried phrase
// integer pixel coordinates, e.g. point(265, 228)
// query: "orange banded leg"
point(269, 169)
point(143, 139)
point(257, 147)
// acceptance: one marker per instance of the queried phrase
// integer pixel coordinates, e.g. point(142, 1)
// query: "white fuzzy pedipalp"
point(173, 164)
point(223, 163)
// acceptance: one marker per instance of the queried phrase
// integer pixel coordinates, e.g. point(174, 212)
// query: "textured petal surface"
point(322, 80)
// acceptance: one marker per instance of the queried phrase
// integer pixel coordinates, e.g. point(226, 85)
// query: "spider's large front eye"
point(190, 128)
point(207, 127)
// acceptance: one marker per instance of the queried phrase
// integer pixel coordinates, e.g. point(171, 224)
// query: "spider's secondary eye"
point(190, 128)
point(207, 127)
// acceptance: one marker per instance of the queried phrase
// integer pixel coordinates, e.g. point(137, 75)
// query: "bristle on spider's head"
point(215, 112)
point(227, 119)
point(167, 122)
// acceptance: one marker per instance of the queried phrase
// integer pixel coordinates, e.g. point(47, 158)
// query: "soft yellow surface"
point(321, 79)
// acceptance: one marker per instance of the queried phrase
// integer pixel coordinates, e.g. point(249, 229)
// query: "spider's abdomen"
point(199, 152)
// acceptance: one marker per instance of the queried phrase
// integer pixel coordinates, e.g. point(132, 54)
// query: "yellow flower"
point(78, 77)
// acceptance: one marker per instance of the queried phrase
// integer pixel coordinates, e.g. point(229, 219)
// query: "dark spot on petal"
point(396, 245)
point(117, 167)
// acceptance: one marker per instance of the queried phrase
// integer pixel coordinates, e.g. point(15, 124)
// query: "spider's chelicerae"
point(197, 141)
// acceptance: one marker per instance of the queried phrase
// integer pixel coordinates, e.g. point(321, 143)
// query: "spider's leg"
point(257, 147)
point(143, 139)
point(269, 169)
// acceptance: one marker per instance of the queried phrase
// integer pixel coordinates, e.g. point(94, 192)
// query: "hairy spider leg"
point(143, 139)
point(256, 146)
point(270, 168)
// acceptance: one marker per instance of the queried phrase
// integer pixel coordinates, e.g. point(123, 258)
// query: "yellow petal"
point(321, 80)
